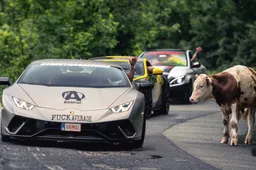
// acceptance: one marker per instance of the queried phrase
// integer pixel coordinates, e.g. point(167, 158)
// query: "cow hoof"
point(248, 139)
point(224, 140)
point(247, 142)
point(233, 141)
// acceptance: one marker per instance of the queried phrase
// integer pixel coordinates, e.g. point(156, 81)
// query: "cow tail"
point(245, 113)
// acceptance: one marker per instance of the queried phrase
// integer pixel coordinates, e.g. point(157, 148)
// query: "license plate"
point(72, 127)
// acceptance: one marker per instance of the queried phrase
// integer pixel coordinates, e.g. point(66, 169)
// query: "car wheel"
point(148, 104)
point(139, 143)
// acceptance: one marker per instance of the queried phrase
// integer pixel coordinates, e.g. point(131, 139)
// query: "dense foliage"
point(31, 29)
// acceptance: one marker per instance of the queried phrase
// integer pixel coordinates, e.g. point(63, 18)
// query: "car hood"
point(175, 71)
point(179, 71)
point(71, 97)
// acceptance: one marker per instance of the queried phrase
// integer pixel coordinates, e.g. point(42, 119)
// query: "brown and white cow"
point(234, 90)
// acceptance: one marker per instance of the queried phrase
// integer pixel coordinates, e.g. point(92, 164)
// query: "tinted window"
point(74, 75)
point(166, 58)
point(138, 68)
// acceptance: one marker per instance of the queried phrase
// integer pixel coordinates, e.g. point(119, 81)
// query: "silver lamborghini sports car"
point(73, 100)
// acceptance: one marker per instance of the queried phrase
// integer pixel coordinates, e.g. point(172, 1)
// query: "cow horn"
point(208, 80)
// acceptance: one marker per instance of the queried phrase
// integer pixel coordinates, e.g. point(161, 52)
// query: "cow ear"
point(208, 81)
point(196, 76)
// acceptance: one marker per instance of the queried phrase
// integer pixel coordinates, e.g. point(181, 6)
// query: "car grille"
point(115, 130)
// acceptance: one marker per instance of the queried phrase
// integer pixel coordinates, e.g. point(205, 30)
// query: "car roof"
point(180, 50)
point(115, 59)
point(119, 56)
point(110, 57)
point(73, 61)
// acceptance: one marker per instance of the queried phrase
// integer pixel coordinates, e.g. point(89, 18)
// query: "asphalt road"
point(167, 146)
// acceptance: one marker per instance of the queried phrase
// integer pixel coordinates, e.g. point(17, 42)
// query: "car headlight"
point(178, 80)
point(22, 104)
point(122, 108)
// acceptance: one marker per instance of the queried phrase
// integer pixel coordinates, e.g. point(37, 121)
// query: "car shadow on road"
point(241, 139)
point(254, 142)
point(78, 146)
point(179, 102)
point(254, 151)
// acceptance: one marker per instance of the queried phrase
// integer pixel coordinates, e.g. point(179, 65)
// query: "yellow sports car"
point(148, 80)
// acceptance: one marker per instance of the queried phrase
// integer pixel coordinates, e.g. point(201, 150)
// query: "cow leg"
point(225, 120)
point(250, 121)
point(233, 124)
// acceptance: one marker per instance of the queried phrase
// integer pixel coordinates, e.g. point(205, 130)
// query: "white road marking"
point(35, 156)
point(9, 149)
point(104, 166)
point(14, 166)
point(181, 160)
point(55, 167)
point(37, 149)
point(59, 167)
point(28, 149)
point(106, 154)
point(15, 153)
point(49, 167)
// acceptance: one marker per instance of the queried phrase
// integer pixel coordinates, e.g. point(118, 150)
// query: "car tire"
point(166, 102)
point(5, 138)
point(148, 104)
point(139, 143)
point(188, 93)
point(164, 108)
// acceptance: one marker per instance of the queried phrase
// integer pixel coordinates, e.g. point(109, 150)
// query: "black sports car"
point(177, 68)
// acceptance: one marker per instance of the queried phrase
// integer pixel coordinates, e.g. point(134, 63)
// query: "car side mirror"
point(143, 85)
point(157, 71)
point(5, 81)
point(196, 64)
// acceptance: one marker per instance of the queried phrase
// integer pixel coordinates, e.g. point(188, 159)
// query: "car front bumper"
point(180, 91)
point(18, 127)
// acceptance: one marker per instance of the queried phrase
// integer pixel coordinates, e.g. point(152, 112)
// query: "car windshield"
point(74, 75)
point(166, 58)
point(138, 68)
